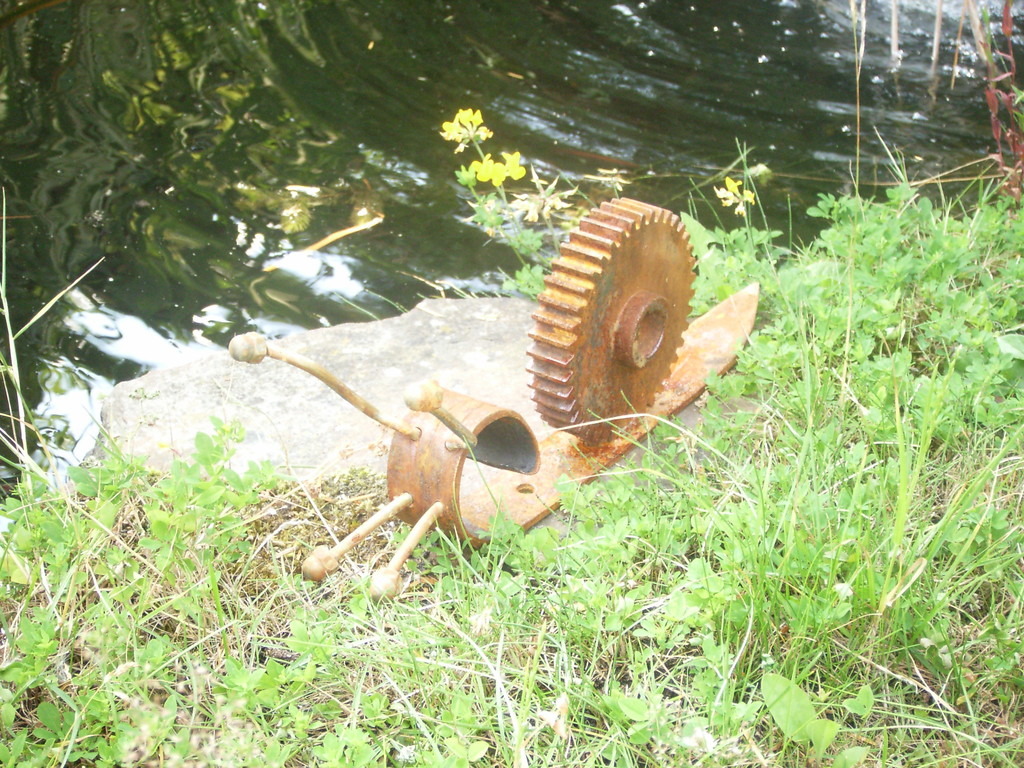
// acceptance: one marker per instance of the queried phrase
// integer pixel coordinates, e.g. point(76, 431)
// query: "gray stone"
point(475, 346)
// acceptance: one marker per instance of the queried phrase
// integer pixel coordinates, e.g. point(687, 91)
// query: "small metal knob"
point(386, 582)
point(248, 348)
point(428, 397)
point(326, 560)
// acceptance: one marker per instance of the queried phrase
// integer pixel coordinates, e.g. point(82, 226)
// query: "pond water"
point(183, 153)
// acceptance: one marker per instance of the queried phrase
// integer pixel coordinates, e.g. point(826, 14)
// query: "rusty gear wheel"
point(611, 316)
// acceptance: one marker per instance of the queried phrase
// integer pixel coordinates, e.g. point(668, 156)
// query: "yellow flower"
point(515, 170)
point(451, 131)
point(490, 170)
point(456, 127)
point(733, 194)
point(467, 126)
point(484, 169)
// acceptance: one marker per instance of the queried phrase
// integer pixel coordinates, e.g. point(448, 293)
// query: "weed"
point(523, 222)
point(1003, 95)
point(18, 434)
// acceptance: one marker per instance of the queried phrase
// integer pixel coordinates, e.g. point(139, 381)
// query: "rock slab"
point(475, 346)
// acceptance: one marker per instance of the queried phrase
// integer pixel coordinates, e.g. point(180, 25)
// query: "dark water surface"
point(173, 143)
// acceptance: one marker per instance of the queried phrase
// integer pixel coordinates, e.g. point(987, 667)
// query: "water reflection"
point(192, 148)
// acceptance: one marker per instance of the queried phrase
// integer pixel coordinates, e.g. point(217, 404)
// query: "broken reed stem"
point(858, 14)
point(936, 38)
point(894, 35)
point(980, 38)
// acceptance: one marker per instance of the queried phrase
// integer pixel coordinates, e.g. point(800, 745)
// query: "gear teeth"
point(556, 410)
point(624, 206)
point(566, 311)
point(564, 322)
point(561, 301)
point(550, 362)
point(555, 337)
point(580, 267)
point(630, 217)
point(555, 397)
point(556, 334)
point(588, 245)
point(607, 229)
point(635, 207)
point(568, 287)
point(613, 218)
point(555, 389)
point(550, 376)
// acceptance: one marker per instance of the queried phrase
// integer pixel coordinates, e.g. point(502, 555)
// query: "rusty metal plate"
point(710, 346)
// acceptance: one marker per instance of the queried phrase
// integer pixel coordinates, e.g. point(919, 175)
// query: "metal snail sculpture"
point(613, 352)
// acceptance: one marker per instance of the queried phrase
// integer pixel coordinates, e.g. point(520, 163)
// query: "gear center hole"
point(640, 329)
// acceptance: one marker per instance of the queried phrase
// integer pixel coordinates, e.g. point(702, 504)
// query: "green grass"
point(827, 572)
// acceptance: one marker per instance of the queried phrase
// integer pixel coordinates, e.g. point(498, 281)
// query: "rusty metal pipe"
point(254, 348)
